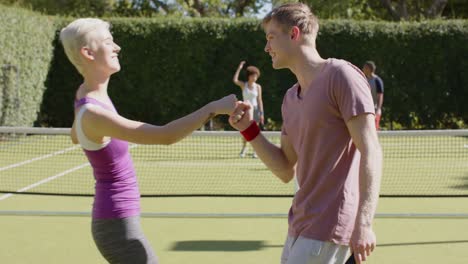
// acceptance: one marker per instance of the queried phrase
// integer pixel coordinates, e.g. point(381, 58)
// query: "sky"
point(265, 9)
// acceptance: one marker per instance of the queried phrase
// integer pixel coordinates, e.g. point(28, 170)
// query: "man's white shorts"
point(303, 250)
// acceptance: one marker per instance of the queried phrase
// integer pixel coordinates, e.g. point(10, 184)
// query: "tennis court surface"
point(206, 205)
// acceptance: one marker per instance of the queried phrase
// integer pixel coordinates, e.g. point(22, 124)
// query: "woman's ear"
point(87, 53)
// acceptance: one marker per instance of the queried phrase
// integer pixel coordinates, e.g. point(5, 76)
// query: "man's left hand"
point(363, 242)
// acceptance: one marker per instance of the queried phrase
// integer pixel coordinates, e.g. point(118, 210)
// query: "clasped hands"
point(241, 118)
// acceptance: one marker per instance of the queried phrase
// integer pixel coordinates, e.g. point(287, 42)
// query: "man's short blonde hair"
point(294, 14)
point(79, 34)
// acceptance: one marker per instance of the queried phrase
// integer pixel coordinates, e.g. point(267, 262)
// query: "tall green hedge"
point(171, 67)
point(25, 55)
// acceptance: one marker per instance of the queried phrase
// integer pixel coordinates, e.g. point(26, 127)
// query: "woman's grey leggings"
point(122, 241)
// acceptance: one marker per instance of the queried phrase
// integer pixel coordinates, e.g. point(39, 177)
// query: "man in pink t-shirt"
point(328, 141)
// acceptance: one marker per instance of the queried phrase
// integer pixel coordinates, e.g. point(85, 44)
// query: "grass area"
point(33, 239)
point(412, 165)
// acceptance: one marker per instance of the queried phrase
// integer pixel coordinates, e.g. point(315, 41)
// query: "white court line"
point(46, 180)
point(38, 158)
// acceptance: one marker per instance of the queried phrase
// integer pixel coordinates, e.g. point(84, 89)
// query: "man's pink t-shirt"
point(325, 206)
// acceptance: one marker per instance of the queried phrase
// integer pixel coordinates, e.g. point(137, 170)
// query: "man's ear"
point(87, 53)
point(295, 33)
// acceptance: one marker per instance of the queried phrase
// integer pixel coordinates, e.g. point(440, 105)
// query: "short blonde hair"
point(294, 14)
point(78, 34)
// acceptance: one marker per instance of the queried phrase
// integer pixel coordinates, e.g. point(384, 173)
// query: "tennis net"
point(44, 161)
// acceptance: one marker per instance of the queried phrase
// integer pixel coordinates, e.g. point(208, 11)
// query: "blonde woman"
point(104, 135)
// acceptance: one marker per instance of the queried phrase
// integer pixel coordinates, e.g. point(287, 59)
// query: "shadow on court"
point(221, 245)
point(422, 243)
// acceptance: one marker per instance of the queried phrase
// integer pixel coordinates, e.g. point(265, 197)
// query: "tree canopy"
point(396, 10)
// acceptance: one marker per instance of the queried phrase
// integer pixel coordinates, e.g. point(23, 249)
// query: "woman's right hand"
point(241, 64)
point(225, 105)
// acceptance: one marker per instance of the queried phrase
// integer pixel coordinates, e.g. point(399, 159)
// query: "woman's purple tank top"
point(116, 189)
